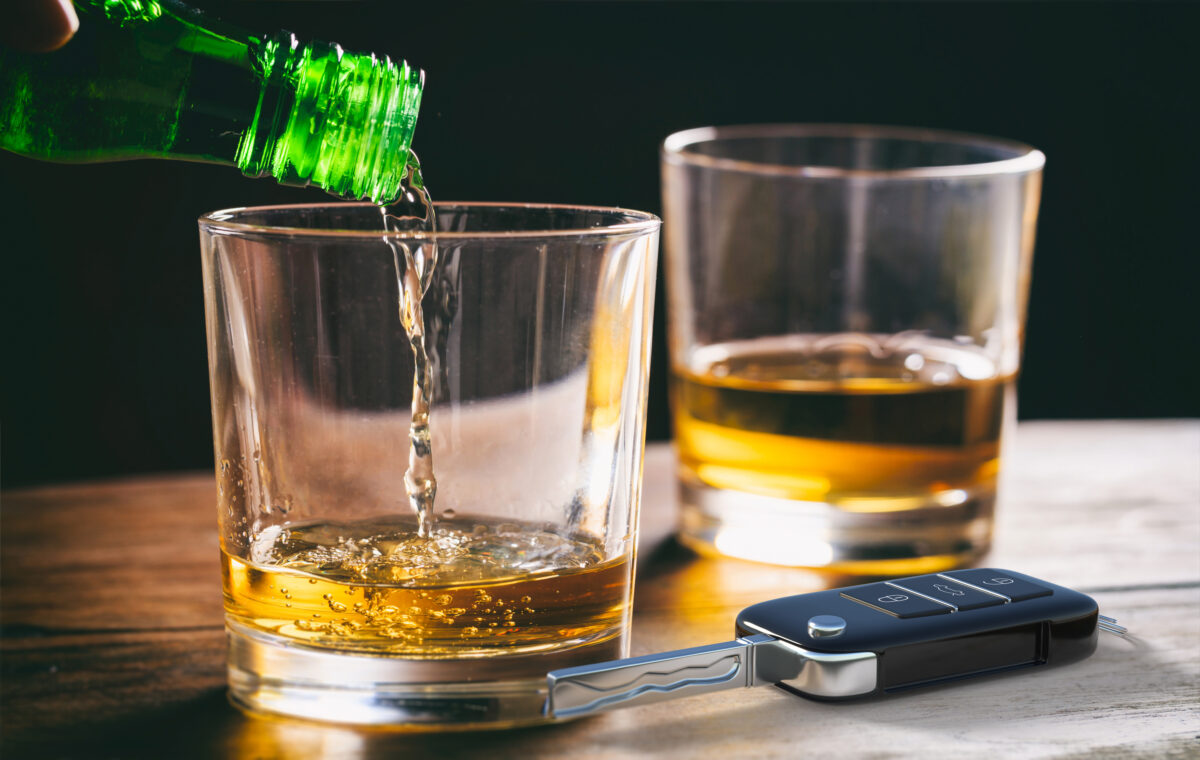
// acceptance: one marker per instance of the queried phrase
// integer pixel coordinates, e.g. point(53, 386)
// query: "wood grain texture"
point(113, 646)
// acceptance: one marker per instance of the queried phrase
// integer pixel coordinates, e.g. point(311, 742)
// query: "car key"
point(872, 639)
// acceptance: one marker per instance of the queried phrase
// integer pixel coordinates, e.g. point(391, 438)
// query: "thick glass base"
point(276, 676)
point(905, 539)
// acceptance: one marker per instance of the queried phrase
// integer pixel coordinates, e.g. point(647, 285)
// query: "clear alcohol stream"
point(414, 271)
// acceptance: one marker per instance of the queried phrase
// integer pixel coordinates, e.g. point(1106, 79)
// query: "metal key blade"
point(757, 660)
point(641, 680)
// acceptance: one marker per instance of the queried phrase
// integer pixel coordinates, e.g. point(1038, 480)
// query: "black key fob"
point(877, 638)
point(931, 628)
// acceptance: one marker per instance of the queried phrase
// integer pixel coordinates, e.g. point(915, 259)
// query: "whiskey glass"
point(846, 307)
point(340, 604)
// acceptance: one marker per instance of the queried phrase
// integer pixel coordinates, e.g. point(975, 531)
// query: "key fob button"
point(947, 591)
point(894, 601)
point(825, 626)
point(1000, 582)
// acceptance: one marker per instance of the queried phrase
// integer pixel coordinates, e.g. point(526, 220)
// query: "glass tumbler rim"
point(630, 222)
point(1023, 159)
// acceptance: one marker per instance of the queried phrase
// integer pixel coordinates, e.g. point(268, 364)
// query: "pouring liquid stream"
point(413, 210)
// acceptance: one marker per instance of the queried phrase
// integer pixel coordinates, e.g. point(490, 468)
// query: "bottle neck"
point(158, 79)
point(340, 121)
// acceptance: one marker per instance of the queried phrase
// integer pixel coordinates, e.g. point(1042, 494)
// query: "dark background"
point(104, 351)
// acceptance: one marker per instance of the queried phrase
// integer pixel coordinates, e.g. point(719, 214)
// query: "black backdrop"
point(104, 354)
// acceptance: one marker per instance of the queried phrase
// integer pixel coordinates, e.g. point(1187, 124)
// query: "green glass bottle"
point(157, 79)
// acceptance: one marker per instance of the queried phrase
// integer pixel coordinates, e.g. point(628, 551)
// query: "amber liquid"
point(470, 588)
point(864, 423)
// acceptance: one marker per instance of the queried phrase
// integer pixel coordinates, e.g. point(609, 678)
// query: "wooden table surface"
point(113, 647)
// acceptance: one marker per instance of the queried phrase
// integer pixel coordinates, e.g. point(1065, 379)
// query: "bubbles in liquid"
point(383, 551)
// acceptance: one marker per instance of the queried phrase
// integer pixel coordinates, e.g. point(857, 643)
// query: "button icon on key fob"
point(899, 602)
point(946, 591)
point(999, 582)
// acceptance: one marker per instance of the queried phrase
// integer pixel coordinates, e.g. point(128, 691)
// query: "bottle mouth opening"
point(457, 221)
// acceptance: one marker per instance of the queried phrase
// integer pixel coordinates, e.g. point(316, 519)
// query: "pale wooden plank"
point(1093, 504)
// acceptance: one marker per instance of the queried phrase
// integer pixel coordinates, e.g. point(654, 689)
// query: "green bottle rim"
point(340, 121)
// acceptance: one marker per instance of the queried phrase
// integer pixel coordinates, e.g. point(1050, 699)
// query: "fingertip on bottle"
point(39, 26)
point(69, 18)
